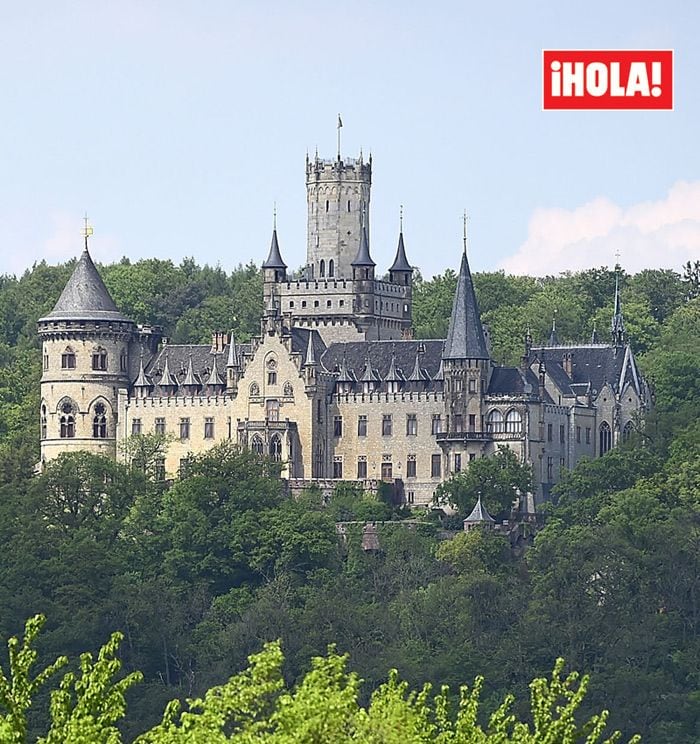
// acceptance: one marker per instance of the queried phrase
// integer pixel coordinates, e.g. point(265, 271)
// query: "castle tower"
point(337, 194)
point(85, 347)
point(274, 272)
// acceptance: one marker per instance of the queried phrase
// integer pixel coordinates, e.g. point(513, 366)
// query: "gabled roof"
point(400, 261)
point(85, 296)
point(274, 259)
point(465, 335)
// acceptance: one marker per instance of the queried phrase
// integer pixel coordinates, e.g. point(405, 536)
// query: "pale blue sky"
point(176, 125)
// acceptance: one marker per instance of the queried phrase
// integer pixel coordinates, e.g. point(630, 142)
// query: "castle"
point(334, 386)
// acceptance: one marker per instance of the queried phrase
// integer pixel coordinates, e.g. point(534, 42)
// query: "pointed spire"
point(310, 357)
point(142, 380)
point(553, 338)
point(363, 258)
point(233, 357)
point(594, 335)
point(392, 374)
point(417, 373)
point(440, 374)
point(368, 373)
point(343, 373)
point(166, 378)
point(400, 261)
point(214, 377)
point(465, 335)
point(479, 514)
point(617, 327)
point(274, 259)
point(190, 379)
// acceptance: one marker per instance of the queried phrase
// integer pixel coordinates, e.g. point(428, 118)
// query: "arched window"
point(627, 431)
point(276, 447)
point(67, 410)
point(43, 422)
point(257, 445)
point(348, 205)
point(99, 359)
point(605, 438)
point(322, 268)
point(331, 268)
point(68, 359)
point(494, 422)
point(513, 421)
point(327, 205)
point(99, 422)
point(254, 390)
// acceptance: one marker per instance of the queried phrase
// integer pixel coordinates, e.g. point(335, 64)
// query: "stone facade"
point(334, 386)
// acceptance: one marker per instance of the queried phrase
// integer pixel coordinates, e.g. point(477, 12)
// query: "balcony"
point(463, 436)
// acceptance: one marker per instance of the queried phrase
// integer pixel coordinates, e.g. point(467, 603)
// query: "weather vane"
point(86, 231)
point(465, 230)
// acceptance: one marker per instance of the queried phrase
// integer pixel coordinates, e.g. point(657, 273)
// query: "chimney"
point(568, 364)
point(218, 342)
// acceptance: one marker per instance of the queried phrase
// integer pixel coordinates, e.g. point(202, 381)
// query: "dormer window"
point(99, 360)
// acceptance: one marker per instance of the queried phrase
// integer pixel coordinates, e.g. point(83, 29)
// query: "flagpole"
point(340, 124)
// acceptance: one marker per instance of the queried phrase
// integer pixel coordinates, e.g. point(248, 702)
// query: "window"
point(411, 425)
point(588, 435)
point(43, 422)
point(337, 426)
point(257, 445)
point(435, 466)
point(562, 433)
point(327, 205)
point(99, 360)
point(605, 436)
point(494, 422)
point(436, 426)
point(272, 378)
point(472, 385)
point(386, 425)
point(329, 303)
point(410, 497)
point(272, 410)
point(276, 447)
point(362, 467)
point(209, 427)
point(160, 468)
point(411, 466)
point(160, 426)
point(184, 428)
point(136, 427)
point(472, 456)
point(362, 426)
point(458, 462)
point(472, 422)
point(331, 266)
point(67, 426)
point(550, 469)
point(122, 361)
point(99, 422)
point(458, 422)
point(46, 362)
point(319, 411)
point(549, 432)
point(68, 359)
point(627, 431)
point(338, 467)
point(387, 471)
point(513, 422)
point(578, 435)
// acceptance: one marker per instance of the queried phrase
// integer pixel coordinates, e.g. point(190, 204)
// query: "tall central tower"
point(337, 194)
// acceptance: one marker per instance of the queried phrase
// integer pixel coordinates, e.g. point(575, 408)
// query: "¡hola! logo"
point(607, 79)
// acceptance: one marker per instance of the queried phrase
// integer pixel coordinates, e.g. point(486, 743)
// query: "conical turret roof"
point(400, 261)
point(480, 514)
point(363, 258)
point(274, 259)
point(85, 296)
point(465, 335)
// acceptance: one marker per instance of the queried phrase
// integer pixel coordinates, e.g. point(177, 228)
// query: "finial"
point(87, 230)
point(274, 215)
point(340, 126)
point(400, 217)
point(464, 236)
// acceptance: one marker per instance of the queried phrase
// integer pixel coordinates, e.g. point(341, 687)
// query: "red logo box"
point(607, 79)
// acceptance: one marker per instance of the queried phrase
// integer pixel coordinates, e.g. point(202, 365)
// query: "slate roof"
point(513, 381)
point(400, 261)
point(465, 335)
point(363, 258)
point(85, 296)
point(274, 259)
point(479, 514)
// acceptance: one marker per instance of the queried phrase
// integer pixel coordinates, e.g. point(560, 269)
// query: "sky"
point(177, 125)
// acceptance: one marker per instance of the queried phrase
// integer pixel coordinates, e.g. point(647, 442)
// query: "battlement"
point(338, 169)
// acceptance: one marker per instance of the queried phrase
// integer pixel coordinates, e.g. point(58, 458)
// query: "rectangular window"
point(472, 422)
point(272, 410)
point(184, 428)
point(99, 361)
point(387, 471)
point(46, 361)
point(578, 435)
point(472, 385)
point(68, 360)
point(550, 469)
point(136, 427)
point(160, 469)
point(362, 426)
point(457, 386)
point(410, 496)
point(472, 456)
point(458, 422)
point(209, 428)
point(411, 425)
point(458, 462)
point(362, 467)
point(272, 378)
point(562, 433)
point(337, 426)
point(160, 426)
point(411, 466)
point(436, 427)
point(435, 466)
point(588, 435)
point(549, 432)
point(338, 468)
point(386, 425)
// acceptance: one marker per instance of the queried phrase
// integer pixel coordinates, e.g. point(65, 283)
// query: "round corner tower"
point(338, 194)
point(85, 353)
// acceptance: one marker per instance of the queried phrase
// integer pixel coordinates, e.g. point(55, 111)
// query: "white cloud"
point(657, 234)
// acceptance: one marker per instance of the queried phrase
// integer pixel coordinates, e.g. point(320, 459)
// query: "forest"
point(218, 582)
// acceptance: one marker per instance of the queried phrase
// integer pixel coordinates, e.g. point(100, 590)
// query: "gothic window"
point(627, 431)
point(494, 422)
point(276, 448)
point(322, 268)
point(99, 359)
point(257, 445)
point(272, 410)
point(67, 426)
point(331, 268)
point(288, 390)
point(513, 422)
point(99, 422)
point(43, 422)
point(68, 359)
point(605, 438)
point(272, 378)
point(254, 390)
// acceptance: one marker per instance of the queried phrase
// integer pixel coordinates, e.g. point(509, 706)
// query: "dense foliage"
point(199, 576)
